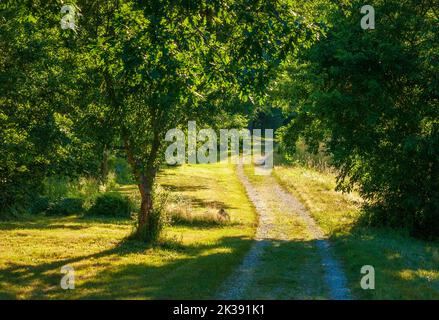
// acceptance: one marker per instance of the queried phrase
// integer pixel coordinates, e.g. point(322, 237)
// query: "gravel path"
point(334, 276)
point(238, 283)
point(235, 287)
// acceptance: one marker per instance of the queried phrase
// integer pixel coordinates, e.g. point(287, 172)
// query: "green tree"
point(37, 123)
point(372, 97)
point(128, 72)
point(161, 63)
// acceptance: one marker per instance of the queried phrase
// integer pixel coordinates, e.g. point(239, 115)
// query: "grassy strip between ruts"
point(405, 268)
point(290, 267)
point(191, 264)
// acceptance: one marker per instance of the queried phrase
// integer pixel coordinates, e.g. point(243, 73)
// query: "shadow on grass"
point(195, 273)
point(183, 187)
point(171, 270)
point(196, 201)
point(201, 223)
point(93, 218)
point(70, 222)
point(405, 268)
point(43, 222)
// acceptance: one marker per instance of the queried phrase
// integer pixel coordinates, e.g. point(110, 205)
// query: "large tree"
point(126, 73)
point(372, 97)
point(161, 63)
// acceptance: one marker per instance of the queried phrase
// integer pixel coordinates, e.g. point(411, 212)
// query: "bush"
point(66, 206)
point(40, 205)
point(111, 204)
point(58, 187)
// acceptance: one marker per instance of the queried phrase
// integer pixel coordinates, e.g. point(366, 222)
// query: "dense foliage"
point(372, 97)
point(128, 72)
point(111, 204)
point(73, 99)
point(39, 123)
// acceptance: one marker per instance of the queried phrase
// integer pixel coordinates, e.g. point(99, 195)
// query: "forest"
point(90, 91)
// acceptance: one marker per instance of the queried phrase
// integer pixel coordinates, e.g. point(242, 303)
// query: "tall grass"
point(303, 157)
point(180, 212)
point(85, 188)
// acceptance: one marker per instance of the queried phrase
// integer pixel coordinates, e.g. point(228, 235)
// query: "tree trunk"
point(104, 165)
point(145, 184)
point(145, 205)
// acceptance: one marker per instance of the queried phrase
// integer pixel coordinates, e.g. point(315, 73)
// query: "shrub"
point(58, 187)
point(66, 206)
point(111, 204)
point(40, 205)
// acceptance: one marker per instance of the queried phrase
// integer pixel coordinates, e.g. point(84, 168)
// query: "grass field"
point(196, 256)
point(192, 263)
point(405, 268)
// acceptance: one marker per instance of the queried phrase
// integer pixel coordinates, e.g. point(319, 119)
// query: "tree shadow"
point(196, 201)
point(202, 223)
point(183, 187)
point(172, 270)
point(128, 281)
point(92, 218)
point(202, 203)
point(41, 222)
point(78, 222)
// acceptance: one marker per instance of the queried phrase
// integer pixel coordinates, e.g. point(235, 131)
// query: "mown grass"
point(290, 267)
point(405, 268)
point(198, 253)
point(192, 261)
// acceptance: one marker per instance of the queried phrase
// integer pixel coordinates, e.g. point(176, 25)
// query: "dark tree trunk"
point(104, 165)
point(145, 184)
point(146, 205)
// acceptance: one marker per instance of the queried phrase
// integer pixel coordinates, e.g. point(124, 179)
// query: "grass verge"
point(405, 268)
point(190, 264)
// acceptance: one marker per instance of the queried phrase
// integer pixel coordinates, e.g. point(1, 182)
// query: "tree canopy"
point(115, 76)
point(372, 97)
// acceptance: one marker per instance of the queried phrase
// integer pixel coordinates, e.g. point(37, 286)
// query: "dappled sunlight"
point(404, 267)
point(189, 261)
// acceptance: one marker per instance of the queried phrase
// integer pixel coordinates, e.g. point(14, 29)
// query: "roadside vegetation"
point(85, 112)
point(405, 268)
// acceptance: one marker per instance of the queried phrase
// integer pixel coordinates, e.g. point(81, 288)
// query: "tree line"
point(127, 71)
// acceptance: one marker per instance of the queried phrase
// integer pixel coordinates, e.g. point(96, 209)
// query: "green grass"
point(199, 253)
point(290, 266)
point(405, 268)
point(192, 263)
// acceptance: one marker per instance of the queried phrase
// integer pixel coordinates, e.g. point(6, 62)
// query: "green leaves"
point(128, 73)
point(374, 101)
